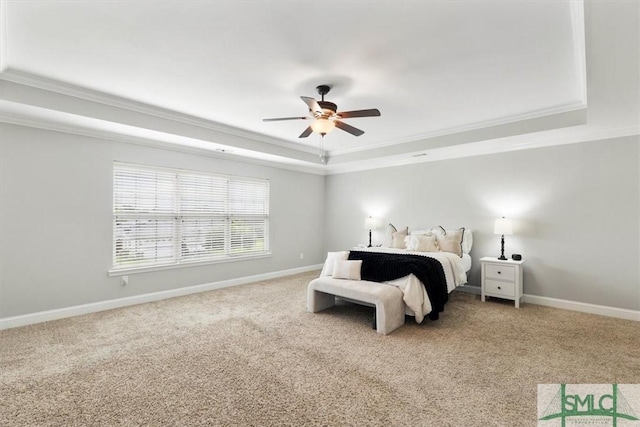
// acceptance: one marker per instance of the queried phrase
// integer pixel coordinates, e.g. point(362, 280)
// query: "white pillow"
point(349, 270)
point(467, 241)
point(388, 237)
point(467, 237)
point(425, 232)
point(451, 241)
point(398, 237)
point(329, 264)
point(422, 243)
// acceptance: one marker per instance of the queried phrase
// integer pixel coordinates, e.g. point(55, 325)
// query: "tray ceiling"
point(433, 68)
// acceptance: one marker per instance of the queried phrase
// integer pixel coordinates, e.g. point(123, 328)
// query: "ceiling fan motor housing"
point(328, 107)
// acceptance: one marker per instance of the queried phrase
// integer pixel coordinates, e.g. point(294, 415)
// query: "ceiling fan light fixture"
point(323, 126)
point(325, 116)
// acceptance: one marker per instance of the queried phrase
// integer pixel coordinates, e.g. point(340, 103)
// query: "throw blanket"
point(382, 267)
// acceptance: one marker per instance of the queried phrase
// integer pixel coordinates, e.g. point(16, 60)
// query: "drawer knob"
point(499, 272)
point(499, 287)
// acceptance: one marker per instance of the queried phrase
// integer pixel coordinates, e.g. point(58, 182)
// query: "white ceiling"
point(433, 68)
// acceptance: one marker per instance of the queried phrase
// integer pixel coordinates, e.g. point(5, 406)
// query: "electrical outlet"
point(124, 281)
point(301, 255)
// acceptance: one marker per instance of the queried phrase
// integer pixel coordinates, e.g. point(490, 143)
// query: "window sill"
point(135, 270)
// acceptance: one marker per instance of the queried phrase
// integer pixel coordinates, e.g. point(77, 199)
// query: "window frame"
point(178, 214)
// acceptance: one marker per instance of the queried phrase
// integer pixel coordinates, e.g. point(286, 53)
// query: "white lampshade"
point(503, 226)
point(372, 223)
point(323, 126)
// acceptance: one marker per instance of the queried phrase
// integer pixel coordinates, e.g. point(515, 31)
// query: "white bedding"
point(466, 262)
point(415, 294)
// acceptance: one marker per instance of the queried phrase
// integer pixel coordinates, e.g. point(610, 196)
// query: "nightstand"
point(501, 279)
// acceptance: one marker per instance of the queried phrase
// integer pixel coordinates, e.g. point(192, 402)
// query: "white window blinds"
point(165, 217)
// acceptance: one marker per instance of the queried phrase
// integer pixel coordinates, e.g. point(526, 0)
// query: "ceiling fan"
point(325, 116)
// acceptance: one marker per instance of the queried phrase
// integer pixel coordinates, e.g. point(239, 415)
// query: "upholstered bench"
point(387, 299)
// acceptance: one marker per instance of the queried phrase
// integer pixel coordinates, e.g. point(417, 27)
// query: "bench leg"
point(318, 301)
point(389, 316)
point(374, 325)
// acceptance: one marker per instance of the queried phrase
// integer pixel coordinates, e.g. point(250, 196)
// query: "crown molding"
point(501, 145)
point(40, 82)
point(17, 120)
point(41, 104)
point(579, 41)
point(423, 156)
point(532, 126)
point(531, 115)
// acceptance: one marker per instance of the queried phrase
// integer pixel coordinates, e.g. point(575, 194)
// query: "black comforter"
point(382, 267)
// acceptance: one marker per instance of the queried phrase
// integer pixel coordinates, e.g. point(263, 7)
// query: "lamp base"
point(502, 257)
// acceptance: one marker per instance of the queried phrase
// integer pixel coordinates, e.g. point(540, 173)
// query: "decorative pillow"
point(451, 241)
point(388, 239)
point(422, 243)
point(467, 237)
point(426, 232)
point(467, 241)
point(329, 264)
point(349, 270)
point(397, 238)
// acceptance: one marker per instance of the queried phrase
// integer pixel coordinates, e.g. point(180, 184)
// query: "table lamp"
point(503, 226)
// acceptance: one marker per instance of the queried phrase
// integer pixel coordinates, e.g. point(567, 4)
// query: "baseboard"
point(603, 310)
point(469, 289)
point(45, 316)
point(62, 313)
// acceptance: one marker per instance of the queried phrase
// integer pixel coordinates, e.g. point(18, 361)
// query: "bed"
point(455, 262)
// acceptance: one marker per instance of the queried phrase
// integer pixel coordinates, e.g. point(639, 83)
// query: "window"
point(165, 217)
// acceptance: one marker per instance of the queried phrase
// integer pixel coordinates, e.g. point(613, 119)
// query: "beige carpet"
point(252, 356)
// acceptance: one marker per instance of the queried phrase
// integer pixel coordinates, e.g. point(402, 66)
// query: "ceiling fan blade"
point(373, 112)
point(286, 118)
point(308, 131)
point(348, 128)
point(312, 104)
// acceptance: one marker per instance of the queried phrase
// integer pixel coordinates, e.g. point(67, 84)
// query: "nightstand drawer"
point(496, 287)
point(503, 272)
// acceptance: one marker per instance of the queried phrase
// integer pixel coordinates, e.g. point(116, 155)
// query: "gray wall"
point(576, 212)
point(56, 220)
